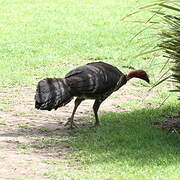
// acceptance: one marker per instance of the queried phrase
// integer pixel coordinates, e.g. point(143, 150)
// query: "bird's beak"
point(147, 80)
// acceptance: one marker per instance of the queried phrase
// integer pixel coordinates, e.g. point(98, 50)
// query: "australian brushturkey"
point(96, 80)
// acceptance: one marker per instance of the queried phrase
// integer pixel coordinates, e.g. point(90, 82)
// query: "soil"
point(22, 126)
point(172, 124)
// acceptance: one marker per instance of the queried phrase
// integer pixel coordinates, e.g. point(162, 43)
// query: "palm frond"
point(169, 35)
point(170, 43)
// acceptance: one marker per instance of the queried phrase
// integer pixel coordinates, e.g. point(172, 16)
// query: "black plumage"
point(52, 93)
point(96, 80)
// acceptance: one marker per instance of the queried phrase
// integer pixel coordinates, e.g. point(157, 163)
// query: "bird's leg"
point(96, 106)
point(70, 120)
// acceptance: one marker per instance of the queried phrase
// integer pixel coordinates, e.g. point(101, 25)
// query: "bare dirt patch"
point(172, 124)
point(26, 133)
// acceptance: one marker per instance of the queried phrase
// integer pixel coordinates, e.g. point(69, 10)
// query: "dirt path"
point(23, 129)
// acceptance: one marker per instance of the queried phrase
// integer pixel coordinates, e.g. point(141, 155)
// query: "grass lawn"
point(46, 38)
point(125, 147)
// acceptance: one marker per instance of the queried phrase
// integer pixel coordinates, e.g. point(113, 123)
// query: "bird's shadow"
point(121, 136)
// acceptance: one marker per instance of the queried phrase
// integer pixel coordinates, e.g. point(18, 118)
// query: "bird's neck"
point(133, 74)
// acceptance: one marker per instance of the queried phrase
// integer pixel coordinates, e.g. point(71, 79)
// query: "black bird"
point(96, 80)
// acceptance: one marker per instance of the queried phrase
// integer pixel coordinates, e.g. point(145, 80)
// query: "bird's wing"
point(80, 80)
point(92, 79)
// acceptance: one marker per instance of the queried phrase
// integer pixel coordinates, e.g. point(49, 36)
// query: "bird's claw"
point(71, 122)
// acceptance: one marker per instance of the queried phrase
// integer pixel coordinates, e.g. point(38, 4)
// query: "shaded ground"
point(172, 124)
point(25, 133)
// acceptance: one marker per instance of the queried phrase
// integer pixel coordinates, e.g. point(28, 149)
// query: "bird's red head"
point(141, 74)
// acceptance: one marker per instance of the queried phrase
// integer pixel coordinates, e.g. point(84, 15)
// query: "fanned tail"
point(52, 93)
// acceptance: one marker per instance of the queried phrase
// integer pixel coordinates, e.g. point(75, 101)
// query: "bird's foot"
point(71, 122)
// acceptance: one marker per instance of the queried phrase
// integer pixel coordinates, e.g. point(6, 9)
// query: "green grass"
point(125, 147)
point(41, 38)
point(49, 37)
